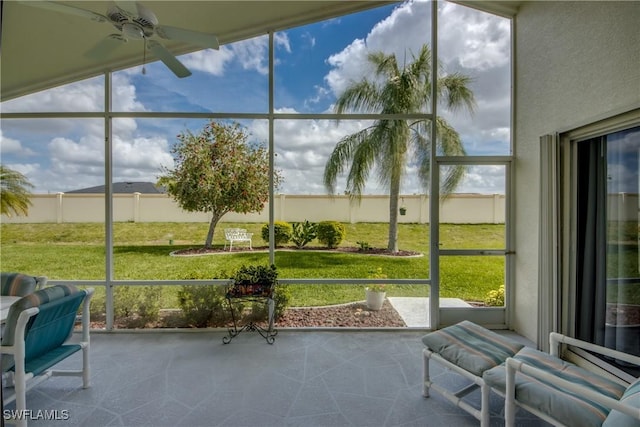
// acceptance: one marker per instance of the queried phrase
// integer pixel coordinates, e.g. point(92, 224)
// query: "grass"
point(141, 252)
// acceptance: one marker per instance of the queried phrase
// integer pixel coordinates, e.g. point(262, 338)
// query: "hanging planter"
point(403, 211)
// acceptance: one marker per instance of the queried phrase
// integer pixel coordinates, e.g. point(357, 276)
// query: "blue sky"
point(314, 64)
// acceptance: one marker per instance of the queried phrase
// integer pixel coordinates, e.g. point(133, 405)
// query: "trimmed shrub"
point(303, 233)
point(137, 305)
point(281, 232)
point(204, 305)
point(260, 311)
point(495, 298)
point(331, 233)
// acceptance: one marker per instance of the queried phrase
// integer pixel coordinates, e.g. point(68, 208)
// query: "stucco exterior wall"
point(575, 62)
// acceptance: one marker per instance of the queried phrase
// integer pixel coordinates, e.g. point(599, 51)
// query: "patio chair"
point(562, 393)
point(36, 338)
point(19, 285)
point(555, 390)
point(469, 350)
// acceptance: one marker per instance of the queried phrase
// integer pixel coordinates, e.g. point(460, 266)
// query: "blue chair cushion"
point(630, 397)
point(567, 407)
point(50, 328)
point(16, 284)
point(471, 347)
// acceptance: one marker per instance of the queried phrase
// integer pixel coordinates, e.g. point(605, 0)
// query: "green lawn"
point(142, 251)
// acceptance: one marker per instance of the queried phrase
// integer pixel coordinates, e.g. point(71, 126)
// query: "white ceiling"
point(42, 48)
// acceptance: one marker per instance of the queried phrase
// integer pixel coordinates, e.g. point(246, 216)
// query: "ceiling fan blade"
point(130, 7)
point(192, 37)
point(64, 8)
point(169, 60)
point(105, 46)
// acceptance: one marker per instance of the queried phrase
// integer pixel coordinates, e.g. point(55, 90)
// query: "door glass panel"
point(473, 228)
point(608, 280)
point(472, 281)
point(623, 277)
point(473, 215)
point(477, 45)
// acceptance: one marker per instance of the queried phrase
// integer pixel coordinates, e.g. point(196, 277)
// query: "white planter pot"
point(375, 299)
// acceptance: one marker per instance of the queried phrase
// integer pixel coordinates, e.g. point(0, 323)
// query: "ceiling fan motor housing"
point(135, 27)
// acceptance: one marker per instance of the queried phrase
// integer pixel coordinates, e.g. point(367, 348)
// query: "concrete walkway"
point(415, 311)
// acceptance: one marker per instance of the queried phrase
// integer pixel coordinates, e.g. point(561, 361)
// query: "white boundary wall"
point(136, 207)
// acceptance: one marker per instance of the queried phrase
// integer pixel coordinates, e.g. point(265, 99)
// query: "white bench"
point(236, 235)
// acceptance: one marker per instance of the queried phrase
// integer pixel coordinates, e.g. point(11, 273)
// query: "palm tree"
point(14, 192)
point(389, 144)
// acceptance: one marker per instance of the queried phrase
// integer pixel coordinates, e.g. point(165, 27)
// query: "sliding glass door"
point(607, 275)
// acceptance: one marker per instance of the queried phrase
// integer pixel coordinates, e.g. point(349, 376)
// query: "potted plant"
point(376, 293)
point(254, 280)
point(403, 210)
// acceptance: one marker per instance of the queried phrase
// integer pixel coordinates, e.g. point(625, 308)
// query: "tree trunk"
point(394, 197)
point(212, 227)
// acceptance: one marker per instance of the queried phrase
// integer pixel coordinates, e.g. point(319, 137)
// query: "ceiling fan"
point(135, 22)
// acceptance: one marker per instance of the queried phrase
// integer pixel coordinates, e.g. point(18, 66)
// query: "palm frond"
point(450, 144)
point(421, 143)
point(386, 64)
point(342, 154)
point(14, 192)
point(393, 140)
point(363, 161)
point(454, 91)
point(361, 96)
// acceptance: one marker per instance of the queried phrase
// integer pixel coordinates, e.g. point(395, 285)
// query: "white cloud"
point(251, 54)
point(309, 39)
point(349, 66)
point(141, 156)
point(209, 60)
point(302, 149)
point(474, 40)
point(86, 95)
point(137, 159)
point(13, 146)
point(484, 179)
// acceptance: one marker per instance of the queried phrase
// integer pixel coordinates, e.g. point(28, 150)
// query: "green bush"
point(281, 232)
point(204, 305)
point(495, 298)
point(137, 305)
point(331, 233)
point(303, 233)
point(281, 297)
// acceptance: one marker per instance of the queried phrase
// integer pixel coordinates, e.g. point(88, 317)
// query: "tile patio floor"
point(306, 378)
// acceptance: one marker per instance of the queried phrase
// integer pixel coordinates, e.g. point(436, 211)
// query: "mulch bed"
point(353, 315)
point(356, 250)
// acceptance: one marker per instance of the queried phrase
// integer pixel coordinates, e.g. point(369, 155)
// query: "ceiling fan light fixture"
point(132, 31)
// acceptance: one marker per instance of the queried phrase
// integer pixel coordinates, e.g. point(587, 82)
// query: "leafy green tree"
point(218, 171)
point(388, 145)
point(14, 192)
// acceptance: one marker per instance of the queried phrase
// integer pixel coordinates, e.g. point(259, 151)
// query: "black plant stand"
point(234, 296)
